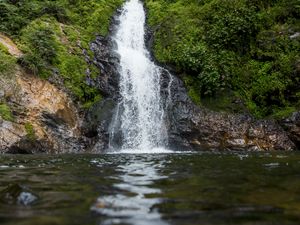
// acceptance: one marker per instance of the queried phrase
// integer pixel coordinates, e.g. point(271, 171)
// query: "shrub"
point(232, 46)
point(30, 133)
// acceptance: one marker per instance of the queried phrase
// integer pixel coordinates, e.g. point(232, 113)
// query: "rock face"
point(292, 126)
point(45, 119)
point(190, 127)
point(107, 62)
point(96, 123)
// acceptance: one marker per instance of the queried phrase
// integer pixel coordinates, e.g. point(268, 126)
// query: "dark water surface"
point(207, 188)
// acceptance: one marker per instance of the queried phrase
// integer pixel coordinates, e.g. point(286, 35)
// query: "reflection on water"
point(180, 189)
point(131, 205)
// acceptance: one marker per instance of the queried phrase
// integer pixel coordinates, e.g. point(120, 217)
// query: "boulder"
point(16, 194)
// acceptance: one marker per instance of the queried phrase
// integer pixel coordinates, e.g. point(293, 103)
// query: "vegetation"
point(241, 49)
point(8, 62)
point(5, 112)
point(52, 34)
point(30, 133)
point(230, 50)
point(7, 66)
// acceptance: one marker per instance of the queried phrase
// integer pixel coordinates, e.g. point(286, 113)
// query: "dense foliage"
point(232, 54)
point(52, 35)
point(232, 51)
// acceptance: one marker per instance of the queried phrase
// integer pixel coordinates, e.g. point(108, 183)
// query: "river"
point(189, 188)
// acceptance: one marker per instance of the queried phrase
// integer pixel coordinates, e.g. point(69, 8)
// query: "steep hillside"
point(53, 35)
point(43, 69)
point(234, 55)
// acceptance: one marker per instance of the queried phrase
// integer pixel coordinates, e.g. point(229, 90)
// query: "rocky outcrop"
point(96, 124)
point(107, 62)
point(97, 120)
point(45, 120)
point(191, 127)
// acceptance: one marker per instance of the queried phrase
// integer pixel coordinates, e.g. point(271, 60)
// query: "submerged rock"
point(26, 198)
point(17, 195)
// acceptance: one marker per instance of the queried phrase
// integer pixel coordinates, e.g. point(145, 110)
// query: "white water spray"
point(140, 113)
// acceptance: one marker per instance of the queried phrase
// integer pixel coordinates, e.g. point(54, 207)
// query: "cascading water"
point(139, 118)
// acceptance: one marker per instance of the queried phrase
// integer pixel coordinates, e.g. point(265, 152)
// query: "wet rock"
point(292, 126)
point(27, 146)
point(200, 128)
point(107, 62)
point(26, 198)
point(97, 122)
point(45, 120)
point(17, 195)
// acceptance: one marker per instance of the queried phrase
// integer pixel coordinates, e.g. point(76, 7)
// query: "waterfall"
point(138, 122)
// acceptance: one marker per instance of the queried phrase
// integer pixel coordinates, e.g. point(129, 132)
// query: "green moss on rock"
point(5, 112)
point(30, 133)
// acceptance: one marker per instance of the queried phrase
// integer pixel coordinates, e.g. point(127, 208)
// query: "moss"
point(192, 89)
point(3, 49)
point(225, 102)
point(39, 43)
point(283, 113)
point(5, 112)
point(30, 133)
